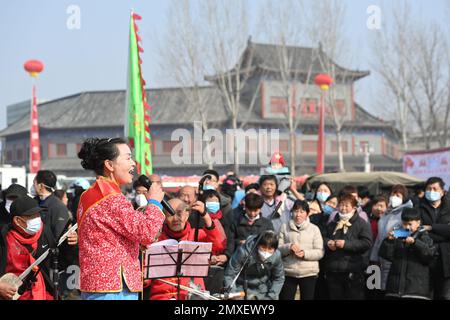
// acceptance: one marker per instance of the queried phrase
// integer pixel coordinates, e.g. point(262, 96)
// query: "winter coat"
point(241, 230)
point(409, 275)
point(264, 278)
point(55, 215)
point(439, 220)
point(354, 256)
point(109, 234)
point(388, 221)
point(309, 239)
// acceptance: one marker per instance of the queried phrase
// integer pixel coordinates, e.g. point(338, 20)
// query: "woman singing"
point(110, 230)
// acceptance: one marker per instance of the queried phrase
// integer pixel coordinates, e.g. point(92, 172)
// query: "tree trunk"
point(292, 150)
point(235, 145)
point(339, 148)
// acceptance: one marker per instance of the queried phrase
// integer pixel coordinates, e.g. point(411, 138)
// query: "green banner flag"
point(138, 110)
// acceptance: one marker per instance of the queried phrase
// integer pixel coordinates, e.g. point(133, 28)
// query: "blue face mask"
point(432, 196)
point(212, 207)
point(322, 196)
point(208, 187)
point(327, 210)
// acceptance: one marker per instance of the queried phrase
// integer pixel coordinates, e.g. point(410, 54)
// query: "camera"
point(401, 233)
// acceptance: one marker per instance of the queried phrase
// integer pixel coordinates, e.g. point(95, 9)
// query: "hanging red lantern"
point(33, 67)
point(323, 81)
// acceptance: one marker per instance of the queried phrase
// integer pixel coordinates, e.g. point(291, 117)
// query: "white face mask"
point(33, 226)
point(264, 255)
point(8, 204)
point(252, 219)
point(345, 216)
point(33, 192)
point(141, 200)
point(395, 201)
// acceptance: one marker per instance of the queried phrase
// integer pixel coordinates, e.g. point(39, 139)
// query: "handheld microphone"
point(230, 296)
point(145, 181)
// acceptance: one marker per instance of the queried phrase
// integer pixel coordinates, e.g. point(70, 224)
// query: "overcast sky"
point(94, 57)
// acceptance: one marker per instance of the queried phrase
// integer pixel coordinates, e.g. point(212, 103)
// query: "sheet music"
point(160, 259)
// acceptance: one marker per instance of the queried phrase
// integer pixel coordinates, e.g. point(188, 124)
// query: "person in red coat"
point(177, 227)
point(379, 206)
point(110, 230)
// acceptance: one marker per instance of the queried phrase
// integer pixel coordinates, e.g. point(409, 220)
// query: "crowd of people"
point(267, 243)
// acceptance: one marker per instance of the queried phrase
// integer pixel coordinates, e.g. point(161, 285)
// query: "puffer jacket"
point(309, 239)
point(388, 221)
point(409, 275)
point(354, 256)
point(264, 278)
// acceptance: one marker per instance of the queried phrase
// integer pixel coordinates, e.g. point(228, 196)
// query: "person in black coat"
point(55, 213)
point(251, 223)
point(435, 215)
point(411, 255)
point(348, 240)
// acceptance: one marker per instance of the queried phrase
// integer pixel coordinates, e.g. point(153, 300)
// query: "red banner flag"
point(35, 151)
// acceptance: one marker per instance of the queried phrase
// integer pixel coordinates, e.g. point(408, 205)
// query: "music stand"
point(184, 259)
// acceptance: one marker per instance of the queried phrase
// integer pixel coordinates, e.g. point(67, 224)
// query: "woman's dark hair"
point(48, 178)
point(208, 194)
point(331, 196)
point(399, 188)
point(347, 190)
point(253, 201)
point(211, 173)
point(410, 214)
point(95, 151)
point(300, 204)
point(268, 239)
point(324, 184)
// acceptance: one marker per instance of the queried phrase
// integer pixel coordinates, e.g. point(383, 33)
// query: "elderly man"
point(188, 194)
point(177, 227)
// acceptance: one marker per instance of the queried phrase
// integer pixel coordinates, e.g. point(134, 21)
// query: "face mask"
point(141, 200)
point(327, 210)
point(252, 219)
point(395, 201)
point(264, 255)
point(208, 187)
point(345, 216)
point(322, 196)
point(33, 226)
point(33, 192)
point(432, 196)
point(212, 207)
point(8, 204)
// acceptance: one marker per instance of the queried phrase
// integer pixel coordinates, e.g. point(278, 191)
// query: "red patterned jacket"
point(109, 234)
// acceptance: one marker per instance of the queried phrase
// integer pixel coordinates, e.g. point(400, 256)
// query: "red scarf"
point(19, 259)
point(182, 235)
point(217, 215)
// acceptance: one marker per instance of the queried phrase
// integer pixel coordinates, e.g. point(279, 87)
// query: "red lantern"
point(323, 81)
point(33, 67)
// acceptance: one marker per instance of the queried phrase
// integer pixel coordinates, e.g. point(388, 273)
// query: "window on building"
point(9, 155)
point(284, 146)
point(61, 149)
point(309, 146)
point(19, 154)
point(334, 146)
point(309, 106)
point(278, 105)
